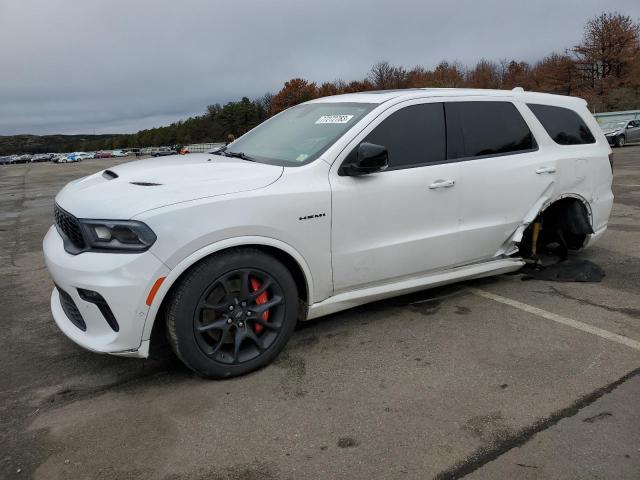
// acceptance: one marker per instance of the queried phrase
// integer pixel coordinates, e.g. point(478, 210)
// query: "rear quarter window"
point(563, 125)
point(486, 128)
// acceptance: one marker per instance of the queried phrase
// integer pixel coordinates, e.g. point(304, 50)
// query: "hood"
point(126, 190)
point(610, 131)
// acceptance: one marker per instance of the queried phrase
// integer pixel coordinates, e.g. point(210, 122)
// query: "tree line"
point(604, 69)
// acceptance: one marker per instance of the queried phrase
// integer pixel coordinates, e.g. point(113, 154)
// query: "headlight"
point(117, 235)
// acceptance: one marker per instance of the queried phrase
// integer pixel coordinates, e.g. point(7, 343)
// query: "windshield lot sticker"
point(334, 119)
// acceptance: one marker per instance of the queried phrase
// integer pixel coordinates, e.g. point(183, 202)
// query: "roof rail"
point(517, 89)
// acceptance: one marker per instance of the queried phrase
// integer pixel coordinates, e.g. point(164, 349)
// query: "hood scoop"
point(109, 174)
point(145, 184)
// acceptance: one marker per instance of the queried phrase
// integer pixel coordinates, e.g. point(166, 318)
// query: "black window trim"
point(447, 160)
point(595, 139)
point(496, 155)
point(408, 166)
point(492, 155)
point(422, 164)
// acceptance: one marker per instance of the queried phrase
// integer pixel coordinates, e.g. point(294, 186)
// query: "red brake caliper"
point(262, 298)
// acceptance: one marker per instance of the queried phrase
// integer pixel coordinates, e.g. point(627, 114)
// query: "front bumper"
point(123, 280)
point(611, 139)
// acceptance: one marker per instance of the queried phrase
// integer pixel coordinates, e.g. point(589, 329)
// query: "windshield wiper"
point(219, 151)
point(241, 155)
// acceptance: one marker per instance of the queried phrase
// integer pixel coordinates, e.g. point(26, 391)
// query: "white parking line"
point(614, 337)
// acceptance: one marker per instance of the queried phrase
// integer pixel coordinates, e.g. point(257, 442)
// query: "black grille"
point(70, 310)
point(69, 226)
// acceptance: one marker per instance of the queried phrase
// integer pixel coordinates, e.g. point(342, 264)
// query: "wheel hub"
point(239, 313)
point(239, 316)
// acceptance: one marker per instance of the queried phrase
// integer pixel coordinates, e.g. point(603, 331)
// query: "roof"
point(382, 96)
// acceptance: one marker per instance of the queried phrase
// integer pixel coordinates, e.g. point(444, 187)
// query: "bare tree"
point(610, 44)
point(448, 75)
point(515, 74)
point(385, 76)
point(485, 74)
point(213, 110)
point(295, 91)
point(556, 73)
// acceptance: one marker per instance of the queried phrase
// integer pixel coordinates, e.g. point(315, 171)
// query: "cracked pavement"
point(439, 384)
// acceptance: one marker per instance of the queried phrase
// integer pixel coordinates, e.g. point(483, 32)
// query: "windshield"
point(612, 125)
point(300, 134)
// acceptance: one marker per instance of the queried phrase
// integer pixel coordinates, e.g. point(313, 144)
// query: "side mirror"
point(630, 125)
point(369, 158)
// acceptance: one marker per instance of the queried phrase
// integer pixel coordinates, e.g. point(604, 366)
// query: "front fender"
point(175, 273)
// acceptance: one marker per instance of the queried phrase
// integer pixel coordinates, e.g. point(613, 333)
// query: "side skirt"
point(354, 298)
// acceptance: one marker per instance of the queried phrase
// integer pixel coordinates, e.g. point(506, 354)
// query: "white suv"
point(328, 205)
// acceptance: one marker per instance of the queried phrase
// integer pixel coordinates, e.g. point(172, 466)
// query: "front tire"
point(620, 141)
point(232, 313)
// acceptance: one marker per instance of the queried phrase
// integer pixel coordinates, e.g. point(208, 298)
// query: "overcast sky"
point(109, 66)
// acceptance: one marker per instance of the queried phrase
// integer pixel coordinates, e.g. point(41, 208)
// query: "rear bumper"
point(600, 211)
point(594, 237)
point(123, 281)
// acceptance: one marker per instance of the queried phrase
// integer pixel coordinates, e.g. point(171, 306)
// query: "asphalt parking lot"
point(493, 379)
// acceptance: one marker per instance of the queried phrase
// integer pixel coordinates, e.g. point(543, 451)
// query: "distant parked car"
point(102, 154)
point(620, 133)
point(79, 156)
point(41, 157)
point(5, 160)
point(118, 153)
point(163, 152)
point(65, 158)
point(26, 158)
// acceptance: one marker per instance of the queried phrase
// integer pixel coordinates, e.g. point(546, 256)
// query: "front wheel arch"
point(154, 330)
point(217, 327)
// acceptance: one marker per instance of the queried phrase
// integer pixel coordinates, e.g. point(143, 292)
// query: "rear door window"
point(413, 136)
point(563, 125)
point(479, 129)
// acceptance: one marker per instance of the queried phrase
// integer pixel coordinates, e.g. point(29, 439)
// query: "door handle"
point(546, 170)
point(442, 184)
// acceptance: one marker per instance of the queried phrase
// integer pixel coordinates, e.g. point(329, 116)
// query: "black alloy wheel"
point(232, 313)
point(239, 316)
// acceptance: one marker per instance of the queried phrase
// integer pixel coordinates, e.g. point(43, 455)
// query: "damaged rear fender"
point(586, 222)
